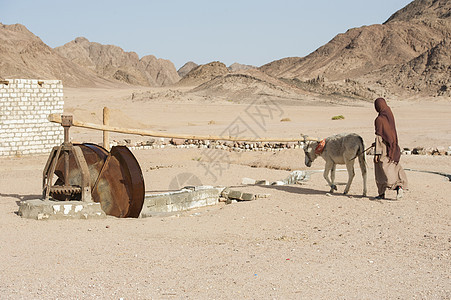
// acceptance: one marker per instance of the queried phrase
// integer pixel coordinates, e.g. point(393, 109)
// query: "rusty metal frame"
point(65, 149)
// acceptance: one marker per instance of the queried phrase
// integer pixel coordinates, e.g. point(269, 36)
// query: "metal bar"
point(107, 160)
point(51, 172)
point(85, 177)
point(45, 173)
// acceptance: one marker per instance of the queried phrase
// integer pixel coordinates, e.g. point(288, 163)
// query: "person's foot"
point(399, 193)
point(381, 196)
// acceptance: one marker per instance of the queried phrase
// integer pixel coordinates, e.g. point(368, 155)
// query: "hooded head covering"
point(385, 127)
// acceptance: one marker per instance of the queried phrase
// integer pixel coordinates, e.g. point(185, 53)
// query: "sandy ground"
point(297, 244)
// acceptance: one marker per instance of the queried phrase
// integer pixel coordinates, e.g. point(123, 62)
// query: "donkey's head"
point(309, 151)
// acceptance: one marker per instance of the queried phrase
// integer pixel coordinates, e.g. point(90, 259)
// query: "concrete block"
point(43, 210)
point(233, 194)
point(182, 200)
point(247, 197)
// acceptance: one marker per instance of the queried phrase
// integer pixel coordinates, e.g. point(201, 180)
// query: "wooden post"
point(106, 134)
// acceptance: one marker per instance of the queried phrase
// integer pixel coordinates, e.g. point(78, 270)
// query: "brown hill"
point(24, 55)
point(239, 67)
point(360, 51)
point(242, 87)
point(354, 55)
point(427, 74)
point(422, 10)
point(204, 73)
point(186, 68)
point(114, 63)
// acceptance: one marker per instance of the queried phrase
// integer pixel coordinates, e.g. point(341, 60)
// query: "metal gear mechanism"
point(88, 172)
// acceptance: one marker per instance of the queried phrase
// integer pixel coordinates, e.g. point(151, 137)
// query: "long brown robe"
point(389, 173)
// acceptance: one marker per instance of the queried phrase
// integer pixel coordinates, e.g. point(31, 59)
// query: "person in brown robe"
point(389, 173)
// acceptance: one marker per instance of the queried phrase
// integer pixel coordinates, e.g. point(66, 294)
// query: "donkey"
point(338, 149)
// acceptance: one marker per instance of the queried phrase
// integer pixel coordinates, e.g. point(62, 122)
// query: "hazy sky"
point(248, 32)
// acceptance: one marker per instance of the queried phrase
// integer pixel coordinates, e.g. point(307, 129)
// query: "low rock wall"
point(157, 143)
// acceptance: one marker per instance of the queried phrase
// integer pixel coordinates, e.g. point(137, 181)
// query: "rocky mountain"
point(24, 55)
point(112, 62)
point(431, 71)
point(186, 68)
point(246, 86)
point(423, 11)
point(239, 67)
point(372, 55)
point(204, 73)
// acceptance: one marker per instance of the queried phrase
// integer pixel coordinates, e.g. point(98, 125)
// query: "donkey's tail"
point(361, 154)
point(362, 163)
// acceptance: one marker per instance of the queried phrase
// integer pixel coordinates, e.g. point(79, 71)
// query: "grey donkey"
point(338, 149)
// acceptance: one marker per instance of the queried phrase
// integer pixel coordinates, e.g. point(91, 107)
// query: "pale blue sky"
point(247, 32)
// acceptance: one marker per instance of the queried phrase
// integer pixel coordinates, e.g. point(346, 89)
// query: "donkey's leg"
point(327, 168)
point(351, 173)
point(332, 176)
point(363, 169)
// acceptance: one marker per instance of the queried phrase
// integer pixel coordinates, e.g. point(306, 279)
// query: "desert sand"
point(299, 243)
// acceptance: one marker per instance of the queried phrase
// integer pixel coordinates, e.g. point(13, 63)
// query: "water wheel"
point(116, 180)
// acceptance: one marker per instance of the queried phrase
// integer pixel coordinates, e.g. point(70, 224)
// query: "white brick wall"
point(24, 107)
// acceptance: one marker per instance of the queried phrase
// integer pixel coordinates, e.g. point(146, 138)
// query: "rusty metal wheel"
point(116, 179)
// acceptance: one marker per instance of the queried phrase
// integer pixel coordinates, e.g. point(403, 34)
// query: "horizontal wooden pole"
point(55, 118)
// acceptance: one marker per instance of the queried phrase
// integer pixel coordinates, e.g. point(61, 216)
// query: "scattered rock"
point(262, 196)
point(248, 181)
point(262, 182)
point(419, 151)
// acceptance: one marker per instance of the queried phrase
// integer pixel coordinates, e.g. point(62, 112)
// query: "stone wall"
point(24, 107)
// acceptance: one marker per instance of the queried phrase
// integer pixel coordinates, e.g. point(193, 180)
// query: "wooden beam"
point(55, 118)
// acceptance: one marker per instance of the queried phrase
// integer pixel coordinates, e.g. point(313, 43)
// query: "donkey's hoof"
point(333, 187)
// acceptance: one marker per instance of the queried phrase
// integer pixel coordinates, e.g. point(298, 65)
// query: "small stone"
point(230, 201)
point(279, 182)
point(247, 181)
point(262, 182)
point(418, 151)
point(42, 216)
point(150, 142)
point(262, 195)
point(177, 142)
